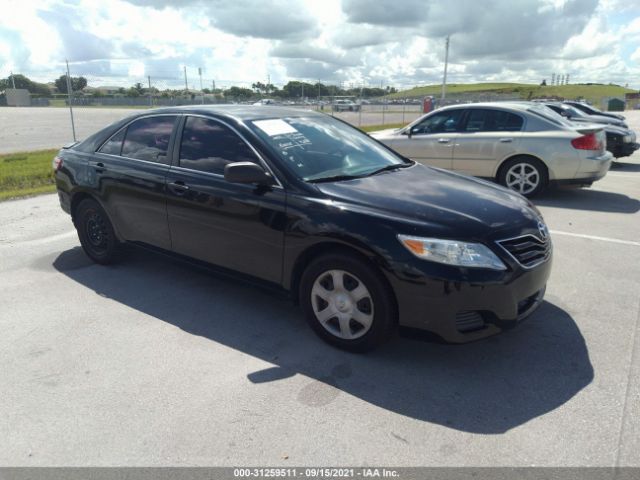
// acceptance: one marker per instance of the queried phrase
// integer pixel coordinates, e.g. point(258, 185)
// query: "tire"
point(96, 233)
point(524, 175)
point(357, 322)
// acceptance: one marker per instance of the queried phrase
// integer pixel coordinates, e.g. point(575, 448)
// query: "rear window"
point(113, 146)
point(549, 115)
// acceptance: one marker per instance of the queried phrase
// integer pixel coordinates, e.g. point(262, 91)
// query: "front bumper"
point(625, 149)
point(464, 311)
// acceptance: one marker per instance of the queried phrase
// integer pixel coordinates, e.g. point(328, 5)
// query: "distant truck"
point(344, 105)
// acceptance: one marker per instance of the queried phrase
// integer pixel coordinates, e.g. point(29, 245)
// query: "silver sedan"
point(522, 145)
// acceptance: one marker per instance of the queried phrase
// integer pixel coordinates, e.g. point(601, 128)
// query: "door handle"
point(178, 187)
point(506, 140)
point(443, 140)
point(99, 166)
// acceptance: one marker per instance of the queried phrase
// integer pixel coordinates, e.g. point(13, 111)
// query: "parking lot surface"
point(35, 128)
point(151, 362)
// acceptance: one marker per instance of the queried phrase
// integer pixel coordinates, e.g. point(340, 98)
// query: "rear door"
point(236, 226)
point(431, 141)
point(129, 170)
point(487, 137)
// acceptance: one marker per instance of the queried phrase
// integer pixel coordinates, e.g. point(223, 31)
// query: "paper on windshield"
point(274, 127)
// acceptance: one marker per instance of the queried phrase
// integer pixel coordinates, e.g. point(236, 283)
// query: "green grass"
point(592, 93)
point(373, 128)
point(26, 173)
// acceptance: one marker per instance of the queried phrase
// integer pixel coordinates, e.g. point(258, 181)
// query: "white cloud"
point(401, 43)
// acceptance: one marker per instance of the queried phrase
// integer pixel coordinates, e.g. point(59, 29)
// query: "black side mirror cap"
point(247, 172)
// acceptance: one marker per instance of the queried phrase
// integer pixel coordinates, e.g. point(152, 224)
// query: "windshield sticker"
point(274, 127)
point(292, 140)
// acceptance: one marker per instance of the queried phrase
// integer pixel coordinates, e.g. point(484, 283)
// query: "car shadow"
point(587, 199)
point(485, 387)
point(620, 166)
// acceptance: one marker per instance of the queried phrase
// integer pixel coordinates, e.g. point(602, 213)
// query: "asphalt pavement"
point(36, 128)
point(152, 362)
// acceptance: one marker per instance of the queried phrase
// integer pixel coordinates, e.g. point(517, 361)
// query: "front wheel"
point(96, 233)
point(527, 176)
point(347, 302)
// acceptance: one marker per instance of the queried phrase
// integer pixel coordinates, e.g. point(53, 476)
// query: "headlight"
point(626, 139)
point(452, 252)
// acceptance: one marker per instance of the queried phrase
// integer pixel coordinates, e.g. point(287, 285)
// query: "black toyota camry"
point(363, 239)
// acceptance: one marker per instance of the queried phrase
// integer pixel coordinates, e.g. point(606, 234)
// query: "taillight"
point(57, 164)
point(587, 142)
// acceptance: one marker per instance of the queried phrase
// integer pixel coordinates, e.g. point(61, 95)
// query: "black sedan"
point(364, 239)
point(591, 110)
point(621, 141)
point(576, 115)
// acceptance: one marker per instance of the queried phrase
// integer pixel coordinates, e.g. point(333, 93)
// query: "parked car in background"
point(576, 115)
point(267, 101)
point(521, 145)
point(591, 110)
point(621, 141)
point(363, 239)
point(345, 106)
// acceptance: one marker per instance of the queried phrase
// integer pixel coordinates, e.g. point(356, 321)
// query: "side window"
point(480, 120)
point(442, 122)
point(113, 146)
point(148, 139)
point(208, 146)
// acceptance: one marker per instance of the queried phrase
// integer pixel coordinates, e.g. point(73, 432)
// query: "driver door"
point(232, 225)
point(432, 140)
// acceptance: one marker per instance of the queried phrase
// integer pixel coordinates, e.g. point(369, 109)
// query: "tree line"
point(292, 89)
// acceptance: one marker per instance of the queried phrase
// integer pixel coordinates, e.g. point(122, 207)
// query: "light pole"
point(69, 93)
point(446, 64)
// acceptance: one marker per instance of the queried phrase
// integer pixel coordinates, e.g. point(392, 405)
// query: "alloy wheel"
point(524, 178)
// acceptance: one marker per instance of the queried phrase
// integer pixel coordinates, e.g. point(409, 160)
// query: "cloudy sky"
point(396, 42)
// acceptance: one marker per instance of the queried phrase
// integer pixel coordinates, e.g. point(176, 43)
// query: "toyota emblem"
point(544, 231)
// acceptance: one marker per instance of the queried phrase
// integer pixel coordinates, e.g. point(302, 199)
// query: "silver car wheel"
point(342, 304)
point(524, 178)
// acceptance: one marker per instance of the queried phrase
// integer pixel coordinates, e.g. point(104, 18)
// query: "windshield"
point(574, 112)
point(323, 148)
point(549, 114)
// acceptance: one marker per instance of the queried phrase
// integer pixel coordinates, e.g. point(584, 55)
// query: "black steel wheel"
point(96, 233)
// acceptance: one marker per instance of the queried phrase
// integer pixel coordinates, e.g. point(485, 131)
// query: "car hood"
point(617, 130)
point(598, 119)
point(390, 132)
point(437, 202)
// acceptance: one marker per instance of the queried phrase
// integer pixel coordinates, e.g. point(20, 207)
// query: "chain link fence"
point(359, 104)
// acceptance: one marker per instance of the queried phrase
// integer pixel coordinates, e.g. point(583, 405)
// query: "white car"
point(522, 145)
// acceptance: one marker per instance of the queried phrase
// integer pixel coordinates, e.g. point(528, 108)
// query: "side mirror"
point(409, 132)
point(247, 172)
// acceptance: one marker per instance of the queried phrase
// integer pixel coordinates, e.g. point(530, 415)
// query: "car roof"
point(236, 112)
point(514, 105)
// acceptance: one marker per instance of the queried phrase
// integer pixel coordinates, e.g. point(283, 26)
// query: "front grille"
point(528, 250)
point(469, 321)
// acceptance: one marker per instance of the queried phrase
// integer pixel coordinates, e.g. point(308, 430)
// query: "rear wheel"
point(527, 176)
point(96, 233)
point(347, 303)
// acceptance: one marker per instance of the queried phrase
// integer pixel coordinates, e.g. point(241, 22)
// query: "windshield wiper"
point(337, 178)
point(334, 178)
point(388, 168)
